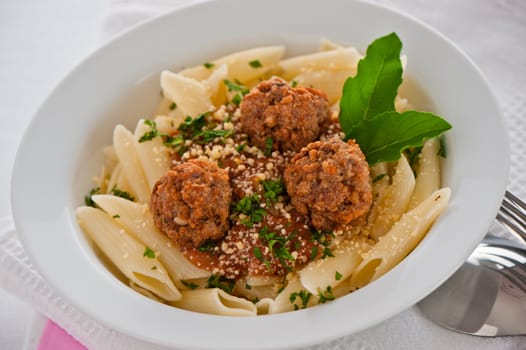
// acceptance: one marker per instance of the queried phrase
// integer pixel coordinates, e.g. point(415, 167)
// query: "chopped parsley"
point(236, 100)
point(250, 207)
point(323, 239)
point(294, 83)
point(150, 254)
point(442, 151)
point(379, 177)
point(276, 245)
point(191, 127)
point(273, 188)
point(313, 253)
point(236, 87)
point(221, 282)
point(168, 140)
point(207, 246)
point(269, 145)
point(240, 90)
point(241, 147)
point(189, 285)
point(150, 135)
point(208, 65)
point(116, 216)
point(173, 106)
point(154, 267)
point(255, 64)
point(413, 154)
point(88, 200)
point(207, 136)
point(337, 276)
point(260, 257)
point(120, 193)
point(194, 129)
point(248, 286)
point(304, 296)
point(257, 253)
point(325, 296)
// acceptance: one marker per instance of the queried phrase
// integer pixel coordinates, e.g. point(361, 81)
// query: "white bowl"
point(61, 150)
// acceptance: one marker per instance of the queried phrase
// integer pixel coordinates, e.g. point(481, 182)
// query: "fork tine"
point(512, 214)
point(516, 200)
point(510, 225)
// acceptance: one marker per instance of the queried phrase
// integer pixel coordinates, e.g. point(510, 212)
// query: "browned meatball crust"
point(291, 117)
point(191, 202)
point(330, 182)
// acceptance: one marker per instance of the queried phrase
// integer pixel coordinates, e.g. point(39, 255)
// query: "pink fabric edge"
point(55, 338)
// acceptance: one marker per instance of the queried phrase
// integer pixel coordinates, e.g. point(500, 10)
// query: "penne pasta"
point(190, 96)
point(329, 81)
point(263, 306)
point(392, 203)
point(331, 271)
point(239, 66)
point(137, 220)
point(327, 45)
point(401, 239)
point(127, 253)
point(216, 302)
point(125, 147)
point(293, 297)
point(153, 155)
point(215, 86)
point(427, 173)
point(339, 59)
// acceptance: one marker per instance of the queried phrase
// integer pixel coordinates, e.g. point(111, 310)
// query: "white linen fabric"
point(491, 32)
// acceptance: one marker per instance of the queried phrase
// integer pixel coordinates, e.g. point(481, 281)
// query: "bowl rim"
point(317, 316)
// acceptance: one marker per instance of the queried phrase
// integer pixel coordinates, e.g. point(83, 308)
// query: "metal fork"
point(487, 295)
point(512, 214)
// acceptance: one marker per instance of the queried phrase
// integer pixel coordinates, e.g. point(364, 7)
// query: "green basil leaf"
point(374, 88)
point(383, 137)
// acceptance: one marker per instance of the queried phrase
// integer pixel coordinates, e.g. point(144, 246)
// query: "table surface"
point(41, 41)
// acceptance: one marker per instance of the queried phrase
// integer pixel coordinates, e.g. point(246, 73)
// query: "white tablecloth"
point(41, 41)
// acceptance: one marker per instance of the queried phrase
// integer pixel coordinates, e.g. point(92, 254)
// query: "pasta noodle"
point(215, 301)
point(137, 220)
point(190, 95)
point(131, 241)
point(239, 64)
point(127, 253)
point(427, 174)
point(401, 239)
point(125, 147)
point(392, 203)
point(332, 271)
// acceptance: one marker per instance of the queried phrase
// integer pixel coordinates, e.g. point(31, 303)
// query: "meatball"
point(190, 203)
point(330, 182)
point(291, 117)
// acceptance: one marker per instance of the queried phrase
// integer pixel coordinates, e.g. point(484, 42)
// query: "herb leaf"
point(188, 284)
point(149, 253)
point(255, 64)
point(249, 206)
point(221, 282)
point(273, 188)
point(385, 136)
point(374, 88)
point(367, 106)
point(88, 200)
point(120, 193)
